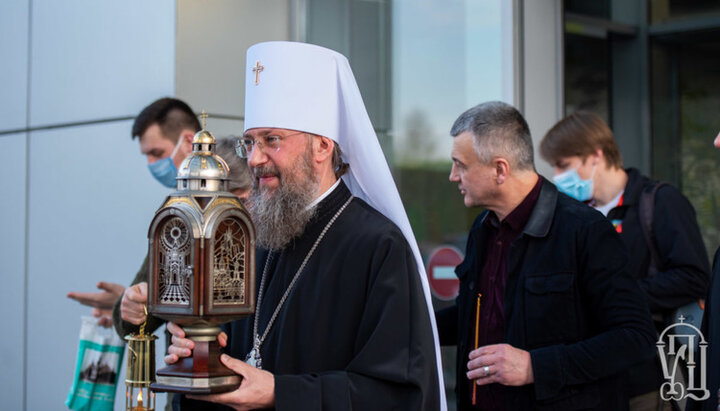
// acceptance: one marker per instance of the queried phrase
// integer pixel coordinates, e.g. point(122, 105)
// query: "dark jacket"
point(684, 272)
point(569, 300)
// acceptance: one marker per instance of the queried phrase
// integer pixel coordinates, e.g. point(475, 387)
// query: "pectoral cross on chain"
point(257, 69)
point(253, 357)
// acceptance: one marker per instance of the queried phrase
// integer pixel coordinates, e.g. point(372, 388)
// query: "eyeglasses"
point(268, 144)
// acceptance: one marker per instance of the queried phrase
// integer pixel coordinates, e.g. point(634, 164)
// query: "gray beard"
point(281, 215)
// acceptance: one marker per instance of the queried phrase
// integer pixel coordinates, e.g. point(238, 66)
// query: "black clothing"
point(491, 319)
point(355, 332)
point(711, 330)
point(683, 274)
point(569, 301)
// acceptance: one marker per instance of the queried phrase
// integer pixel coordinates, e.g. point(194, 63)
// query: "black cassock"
point(354, 332)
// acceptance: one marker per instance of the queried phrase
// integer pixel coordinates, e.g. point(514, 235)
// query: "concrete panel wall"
point(77, 199)
point(99, 59)
point(14, 40)
point(89, 210)
point(12, 269)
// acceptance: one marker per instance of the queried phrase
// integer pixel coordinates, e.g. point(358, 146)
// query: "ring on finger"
point(486, 369)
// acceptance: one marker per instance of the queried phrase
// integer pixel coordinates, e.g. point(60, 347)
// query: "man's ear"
point(187, 138)
point(502, 170)
point(600, 156)
point(323, 148)
point(593, 158)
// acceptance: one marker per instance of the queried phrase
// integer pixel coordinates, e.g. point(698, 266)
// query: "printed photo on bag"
point(100, 353)
point(99, 367)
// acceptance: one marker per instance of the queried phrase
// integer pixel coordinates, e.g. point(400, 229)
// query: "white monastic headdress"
point(309, 88)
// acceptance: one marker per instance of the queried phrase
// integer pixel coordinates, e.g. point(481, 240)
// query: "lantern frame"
point(194, 267)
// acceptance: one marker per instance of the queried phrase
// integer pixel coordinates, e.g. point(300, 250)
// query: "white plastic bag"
point(100, 355)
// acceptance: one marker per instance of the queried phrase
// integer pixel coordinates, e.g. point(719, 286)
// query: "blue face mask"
point(571, 184)
point(164, 170)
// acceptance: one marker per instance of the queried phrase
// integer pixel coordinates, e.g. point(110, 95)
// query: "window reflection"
point(687, 90)
point(587, 64)
point(662, 11)
point(447, 56)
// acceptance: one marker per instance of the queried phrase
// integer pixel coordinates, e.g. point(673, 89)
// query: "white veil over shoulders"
point(304, 87)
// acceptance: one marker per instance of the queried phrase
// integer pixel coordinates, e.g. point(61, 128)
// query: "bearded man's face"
point(284, 184)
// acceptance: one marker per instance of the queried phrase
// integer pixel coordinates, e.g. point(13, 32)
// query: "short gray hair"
point(239, 175)
point(498, 130)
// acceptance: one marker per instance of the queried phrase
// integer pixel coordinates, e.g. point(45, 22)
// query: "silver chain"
point(257, 342)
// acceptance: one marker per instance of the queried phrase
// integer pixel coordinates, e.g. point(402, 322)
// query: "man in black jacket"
point(588, 166)
point(548, 315)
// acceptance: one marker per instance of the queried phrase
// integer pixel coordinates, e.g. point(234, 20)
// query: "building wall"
point(77, 197)
point(212, 38)
point(13, 79)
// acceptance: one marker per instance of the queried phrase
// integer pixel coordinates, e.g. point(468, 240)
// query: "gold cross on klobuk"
point(257, 69)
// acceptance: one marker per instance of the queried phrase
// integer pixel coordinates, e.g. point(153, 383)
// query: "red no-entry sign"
point(441, 272)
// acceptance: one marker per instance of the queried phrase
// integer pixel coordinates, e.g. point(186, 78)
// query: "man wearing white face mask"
point(656, 222)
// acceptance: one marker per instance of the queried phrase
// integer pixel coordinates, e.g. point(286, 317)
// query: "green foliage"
point(433, 203)
point(701, 163)
point(699, 124)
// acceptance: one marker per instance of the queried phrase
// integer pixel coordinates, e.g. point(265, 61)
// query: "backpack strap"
point(646, 210)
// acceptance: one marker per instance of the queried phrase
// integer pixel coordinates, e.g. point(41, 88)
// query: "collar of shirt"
point(325, 194)
point(517, 218)
point(634, 187)
point(605, 209)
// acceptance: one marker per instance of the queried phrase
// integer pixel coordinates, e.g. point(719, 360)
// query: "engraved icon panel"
point(173, 264)
point(229, 263)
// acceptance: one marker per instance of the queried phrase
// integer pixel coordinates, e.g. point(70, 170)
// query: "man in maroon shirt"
point(547, 315)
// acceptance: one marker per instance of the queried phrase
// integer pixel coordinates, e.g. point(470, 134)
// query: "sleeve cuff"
point(547, 371)
point(314, 392)
point(290, 390)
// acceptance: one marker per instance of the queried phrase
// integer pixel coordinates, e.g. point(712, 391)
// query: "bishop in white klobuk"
point(344, 318)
